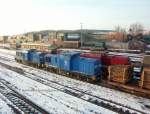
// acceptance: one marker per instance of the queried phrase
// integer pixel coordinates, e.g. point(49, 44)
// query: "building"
point(52, 35)
point(60, 35)
point(98, 34)
point(3, 39)
point(30, 37)
point(116, 36)
point(72, 36)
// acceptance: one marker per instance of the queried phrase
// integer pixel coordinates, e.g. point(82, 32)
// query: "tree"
point(120, 33)
point(136, 28)
point(120, 29)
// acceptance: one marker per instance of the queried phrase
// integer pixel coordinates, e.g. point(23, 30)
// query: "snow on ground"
point(6, 45)
point(111, 94)
point(10, 52)
point(4, 108)
point(50, 99)
point(114, 95)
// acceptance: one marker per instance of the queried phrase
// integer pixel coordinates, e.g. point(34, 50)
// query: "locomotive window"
point(56, 60)
point(49, 59)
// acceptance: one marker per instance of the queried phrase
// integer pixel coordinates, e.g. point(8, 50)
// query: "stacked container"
point(71, 44)
point(91, 55)
point(120, 73)
point(118, 68)
point(145, 77)
point(115, 60)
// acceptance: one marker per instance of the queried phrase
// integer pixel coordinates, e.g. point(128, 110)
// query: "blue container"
point(47, 59)
point(54, 60)
point(31, 53)
point(67, 60)
point(75, 63)
point(31, 56)
point(38, 57)
point(90, 67)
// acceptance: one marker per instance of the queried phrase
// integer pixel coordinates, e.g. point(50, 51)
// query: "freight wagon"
point(103, 69)
point(66, 62)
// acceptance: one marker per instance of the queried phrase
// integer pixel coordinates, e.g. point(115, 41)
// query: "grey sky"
point(19, 16)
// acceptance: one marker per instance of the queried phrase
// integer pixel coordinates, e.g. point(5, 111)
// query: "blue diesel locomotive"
point(67, 63)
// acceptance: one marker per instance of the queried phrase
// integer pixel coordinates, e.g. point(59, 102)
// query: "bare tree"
point(120, 29)
point(136, 28)
point(120, 33)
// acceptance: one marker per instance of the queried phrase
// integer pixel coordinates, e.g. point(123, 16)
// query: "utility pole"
point(81, 38)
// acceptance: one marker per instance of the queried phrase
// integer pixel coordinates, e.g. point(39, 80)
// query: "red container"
point(115, 60)
point(91, 55)
point(106, 59)
point(120, 60)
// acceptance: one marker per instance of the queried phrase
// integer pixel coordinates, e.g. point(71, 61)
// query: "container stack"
point(91, 55)
point(145, 77)
point(117, 68)
point(71, 44)
point(146, 60)
point(120, 73)
point(137, 71)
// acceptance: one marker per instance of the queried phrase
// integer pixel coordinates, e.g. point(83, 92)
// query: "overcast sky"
point(19, 16)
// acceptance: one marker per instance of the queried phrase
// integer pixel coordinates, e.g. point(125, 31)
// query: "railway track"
point(102, 102)
point(117, 107)
point(4, 57)
point(74, 92)
point(21, 105)
point(132, 90)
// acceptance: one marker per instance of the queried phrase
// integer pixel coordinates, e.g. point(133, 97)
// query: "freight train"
point(108, 70)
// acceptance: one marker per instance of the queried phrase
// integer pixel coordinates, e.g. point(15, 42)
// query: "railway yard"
point(74, 57)
point(25, 89)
